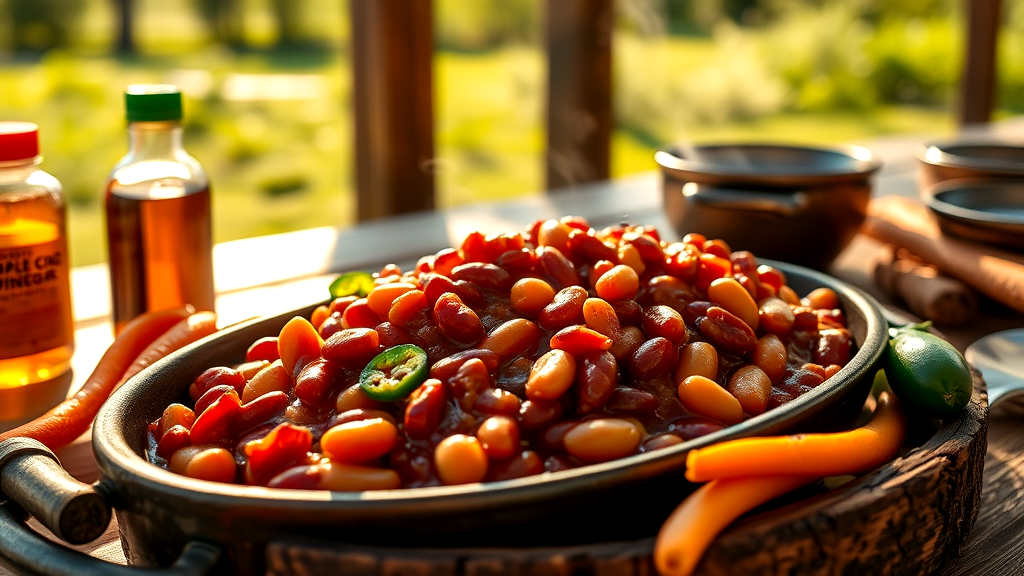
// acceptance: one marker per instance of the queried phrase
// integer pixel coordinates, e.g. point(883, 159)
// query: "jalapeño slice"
point(352, 284)
point(395, 373)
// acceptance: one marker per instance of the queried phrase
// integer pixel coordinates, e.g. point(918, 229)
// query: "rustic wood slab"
point(911, 516)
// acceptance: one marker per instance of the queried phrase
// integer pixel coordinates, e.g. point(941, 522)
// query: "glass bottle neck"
point(154, 139)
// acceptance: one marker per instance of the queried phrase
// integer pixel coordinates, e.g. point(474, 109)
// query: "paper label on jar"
point(35, 299)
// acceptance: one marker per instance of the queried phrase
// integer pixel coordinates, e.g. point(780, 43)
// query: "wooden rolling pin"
point(908, 224)
point(925, 291)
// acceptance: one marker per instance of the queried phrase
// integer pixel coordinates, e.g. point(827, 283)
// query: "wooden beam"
point(392, 53)
point(579, 91)
point(977, 85)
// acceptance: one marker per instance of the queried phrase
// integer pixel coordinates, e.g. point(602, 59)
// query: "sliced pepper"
point(395, 373)
point(352, 284)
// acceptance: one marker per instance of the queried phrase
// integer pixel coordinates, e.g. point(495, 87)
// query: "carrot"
point(185, 332)
point(71, 418)
point(693, 525)
point(826, 454)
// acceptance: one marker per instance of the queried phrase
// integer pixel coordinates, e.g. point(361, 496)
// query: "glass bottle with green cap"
point(159, 232)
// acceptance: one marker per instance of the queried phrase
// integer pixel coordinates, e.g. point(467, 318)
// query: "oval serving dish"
point(980, 209)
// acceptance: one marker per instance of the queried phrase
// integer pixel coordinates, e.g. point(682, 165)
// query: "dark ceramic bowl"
point(955, 160)
point(160, 512)
point(984, 210)
point(792, 203)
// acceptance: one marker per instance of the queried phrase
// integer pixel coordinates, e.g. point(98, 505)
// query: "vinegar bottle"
point(159, 234)
point(36, 325)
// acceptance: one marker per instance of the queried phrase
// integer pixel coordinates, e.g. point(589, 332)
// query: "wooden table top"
point(273, 274)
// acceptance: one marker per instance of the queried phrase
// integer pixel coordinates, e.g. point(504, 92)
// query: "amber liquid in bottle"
point(159, 236)
point(36, 324)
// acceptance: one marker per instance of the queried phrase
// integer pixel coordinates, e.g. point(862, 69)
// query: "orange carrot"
point(185, 332)
point(71, 418)
point(693, 525)
point(826, 454)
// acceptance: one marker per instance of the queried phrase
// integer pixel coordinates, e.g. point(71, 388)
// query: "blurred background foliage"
point(267, 86)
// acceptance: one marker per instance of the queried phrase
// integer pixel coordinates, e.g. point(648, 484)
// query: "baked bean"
point(697, 359)
point(445, 260)
point(484, 275)
point(512, 338)
point(359, 441)
point(770, 356)
point(789, 296)
point(381, 297)
point(390, 335)
point(471, 380)
point(833, 347)
point(694, 239)
point(318, 316)
point(578, 340)
point(359, 414)
point(718, 247)
point(554, 234)
point(460, 459)
point(629, 313)
point(499, 436)
point(352, 348)
point(682, 265)
point(204, 462)
point(552, 375)
point(425, 408)
point(705, 397)
point(210, 397)
point(587, 246)
point(330, 326)
point(359, 315)
point(629, 340)
point(176, 415)
point(821, 299)
point(730, 295)
point(662, 441)
point(526, 463)
point(304, 414)
point(710, 268)
point(536, 414)
point(771, 276)
point(250, 369)
point(727, 332)
point(315, 382)
point(530, 296)
point(406, 307)
point(692, 427)
point(213, 377)
point(458, 322)
point(518, 262)
point(831, 370)
point(619, 283)
point(272, 378)
point(603, 439)
point(596, 376)
point(171, 440)
point(648, 247)
point(565, 309)
point(751, 386)
point(557, 267)
point(353, 398)
point(670, 291)
point(663, 321)
point(263, 349)
point(631, 400)
point(630, 256)
point(472, 248)
point(775, 316)
point(447, 367)
point(600, 317)
point(497, 402)
point(259, 411)
point(653, 358)
point(341, 477)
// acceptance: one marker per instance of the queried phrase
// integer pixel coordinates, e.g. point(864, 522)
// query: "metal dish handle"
point(783, 203)
point(32, 482)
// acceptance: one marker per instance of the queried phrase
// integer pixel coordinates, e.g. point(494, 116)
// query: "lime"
point(352, 284)
point(927, 373)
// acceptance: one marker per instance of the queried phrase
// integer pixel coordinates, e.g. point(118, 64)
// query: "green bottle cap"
point(152, 102)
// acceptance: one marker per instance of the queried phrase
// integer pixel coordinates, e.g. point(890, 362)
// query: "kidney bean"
point(631, 400)
point(216, 376)
point(682, 265)
point(423, 265)
point(603, 439)
point(705, 397)
point(460, 459)
point(315, 382)
point(263, 349)
point(285, 446)
point(434, 285)
point(730, 295)
point(653, 358)
point(360, 414)
point(497, 402)
point(425, 409)
point(629, 256)
point(272, 378)
point(447, 367)
point(600, 317)
point(303, 477)
point(775, 316)
point(596, 376)
point(484, 275)
point(697, 359)
point(554, 234)
point(663, 321)
point(670, 291)
point(619, 283)
point(770, 356)
point(727, 332)
point(801, 379)
point(175, 415)
point(171, 440)
point(512, 338)
point(518, 262)
point(823, 298)
point(692, 427)
point(352, 348)
point(789, 296)
point(536, 414)
point(359, 441)
point(513, 376)
point(209, 397)
point(629, 340)
point(458, 322)
point(772, 276)
point(210, 463)
point(551, 376)
point(469, 382)
point(748, 284)
point(406, 307)
point(359, 315)
point(250, 369)
point(718, 247)
point(557, 463)
point(666, 440)
point(354, 397)
point(526, 463)
point(557, 267)
point(214, 423)
point(565, 309)
point(751, 386)
point(499, 436)
point(500, 242)
point(629, 313)
point(578, 340)
point(805, 319)
point(694, 239)
point(695, 312)
point(709, 268)
point(588, 247)
point(445, 260)
point(259, 411)
point(331, 325)
point(341, 477)
point(473, 248)
point(833, 347)
point(764, 291)
point(831, 318)
point(390, 335)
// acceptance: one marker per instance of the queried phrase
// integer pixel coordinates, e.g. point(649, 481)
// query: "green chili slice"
point(352, 284)
point(395, 373)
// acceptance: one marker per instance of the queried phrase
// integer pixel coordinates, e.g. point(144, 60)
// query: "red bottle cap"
point(18, 141)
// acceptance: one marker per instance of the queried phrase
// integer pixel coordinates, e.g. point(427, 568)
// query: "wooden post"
point(392, 52)
point(977, 85)
point(579, 100)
